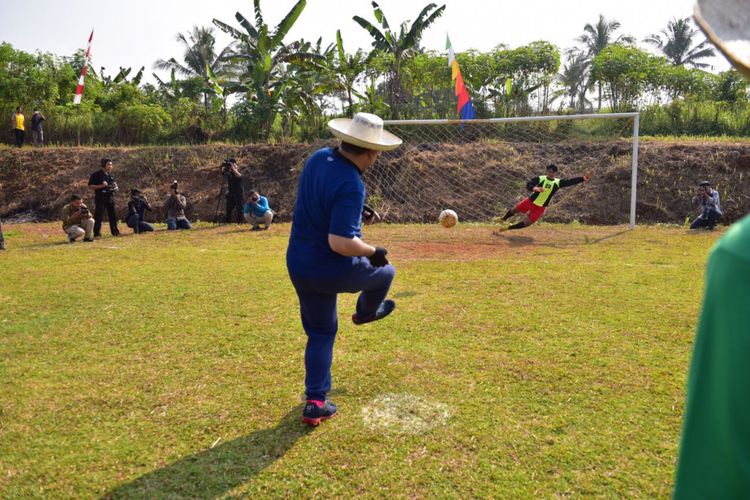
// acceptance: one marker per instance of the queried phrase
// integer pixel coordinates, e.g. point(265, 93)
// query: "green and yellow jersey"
point(549, 187)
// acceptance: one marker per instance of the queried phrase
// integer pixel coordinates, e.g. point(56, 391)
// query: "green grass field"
point(549, 362)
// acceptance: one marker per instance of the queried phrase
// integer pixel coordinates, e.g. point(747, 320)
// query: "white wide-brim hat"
point(364, 130)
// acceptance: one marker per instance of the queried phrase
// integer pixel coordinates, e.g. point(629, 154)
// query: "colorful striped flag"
point(464, 108)
point(79, 90)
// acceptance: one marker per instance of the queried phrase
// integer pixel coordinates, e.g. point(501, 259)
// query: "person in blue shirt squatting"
point(326, 254)
point(257, 211)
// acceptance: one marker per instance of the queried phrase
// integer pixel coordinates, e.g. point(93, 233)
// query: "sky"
point(135, 33)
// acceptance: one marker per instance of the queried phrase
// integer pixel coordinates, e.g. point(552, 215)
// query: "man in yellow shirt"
point(19, 128)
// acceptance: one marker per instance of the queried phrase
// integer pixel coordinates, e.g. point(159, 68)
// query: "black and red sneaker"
point(384, 309)
point(317, 411)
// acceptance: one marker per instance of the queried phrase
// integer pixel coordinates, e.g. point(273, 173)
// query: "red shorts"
point(532, 211)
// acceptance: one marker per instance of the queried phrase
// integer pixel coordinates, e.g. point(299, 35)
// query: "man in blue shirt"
point(257, 211)
point(708, 199)
point(326, 255)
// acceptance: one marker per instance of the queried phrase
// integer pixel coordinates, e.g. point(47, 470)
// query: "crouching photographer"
point(176, 204)
point(235, 192)
point(707, 199)
point(257, 211)
point(137, 207)
point(77, 220)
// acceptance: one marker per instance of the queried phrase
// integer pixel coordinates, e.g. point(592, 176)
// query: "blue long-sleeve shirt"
point(258, 209)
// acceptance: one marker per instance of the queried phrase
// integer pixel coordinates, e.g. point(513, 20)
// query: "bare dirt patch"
point(467, 243)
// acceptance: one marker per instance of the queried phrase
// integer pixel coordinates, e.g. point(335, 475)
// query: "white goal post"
point(480, 166)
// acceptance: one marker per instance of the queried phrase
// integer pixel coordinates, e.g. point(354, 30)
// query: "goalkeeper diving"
point(542, 189)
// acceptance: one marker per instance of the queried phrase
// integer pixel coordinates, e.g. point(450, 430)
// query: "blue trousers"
point(317, 300)
point(173, 224)
point(709, 221)
point(143, 226)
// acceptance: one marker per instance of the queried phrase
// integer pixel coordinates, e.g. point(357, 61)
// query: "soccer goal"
point(479, 168)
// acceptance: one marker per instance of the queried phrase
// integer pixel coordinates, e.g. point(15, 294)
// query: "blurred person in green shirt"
point(714, 457)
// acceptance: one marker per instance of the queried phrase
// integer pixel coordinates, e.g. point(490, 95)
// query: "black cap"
point(705, 183)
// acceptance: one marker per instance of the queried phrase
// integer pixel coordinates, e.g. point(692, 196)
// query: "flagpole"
point(79, 90)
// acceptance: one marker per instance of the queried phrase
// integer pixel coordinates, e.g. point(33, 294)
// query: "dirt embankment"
point(43, 179)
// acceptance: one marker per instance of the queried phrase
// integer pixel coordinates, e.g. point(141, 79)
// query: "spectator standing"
point(176, 204)
point(257, 211)
point(102, 182)
point(37, 131)
point(77, 220)
point(18, 126)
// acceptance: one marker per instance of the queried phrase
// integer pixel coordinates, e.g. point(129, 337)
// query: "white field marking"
point(404, 414)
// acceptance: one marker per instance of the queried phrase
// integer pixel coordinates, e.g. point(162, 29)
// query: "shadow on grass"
point(606, 237)
point(126, 235)
point(519, 240)
point(215, 471)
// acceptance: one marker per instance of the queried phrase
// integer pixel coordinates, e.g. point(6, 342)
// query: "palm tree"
point(200, 58)
point(574, 77)
point(675, 43)
point(596, 37)
point(263, 57)
point(400, 45)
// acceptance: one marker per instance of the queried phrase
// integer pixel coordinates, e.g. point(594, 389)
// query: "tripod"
point(221, 204)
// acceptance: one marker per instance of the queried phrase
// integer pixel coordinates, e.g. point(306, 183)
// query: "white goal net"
point(480, 168)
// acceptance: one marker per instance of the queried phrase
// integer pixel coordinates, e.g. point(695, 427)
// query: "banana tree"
point(262, 58)
point(400, 45)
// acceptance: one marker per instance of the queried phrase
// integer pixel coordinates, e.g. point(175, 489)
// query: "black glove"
point(378, 258)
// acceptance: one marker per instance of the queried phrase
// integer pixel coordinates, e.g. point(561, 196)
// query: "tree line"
point(264, 87)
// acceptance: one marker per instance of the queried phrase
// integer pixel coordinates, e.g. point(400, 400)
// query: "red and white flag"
point(79, 90)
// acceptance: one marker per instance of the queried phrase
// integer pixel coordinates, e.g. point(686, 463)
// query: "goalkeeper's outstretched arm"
point(573, 181)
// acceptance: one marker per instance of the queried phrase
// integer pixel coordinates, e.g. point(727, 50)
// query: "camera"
point(226, 165)
point(85, 212)
point(174, 186)
point(111, 188)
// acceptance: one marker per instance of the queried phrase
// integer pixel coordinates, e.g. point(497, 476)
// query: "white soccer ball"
point(448, 218)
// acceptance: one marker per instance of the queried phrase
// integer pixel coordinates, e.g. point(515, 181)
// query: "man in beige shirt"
point(77, 220)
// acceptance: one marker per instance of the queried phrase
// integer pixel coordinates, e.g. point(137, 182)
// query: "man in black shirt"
point(235, 192)
point(102, 182)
